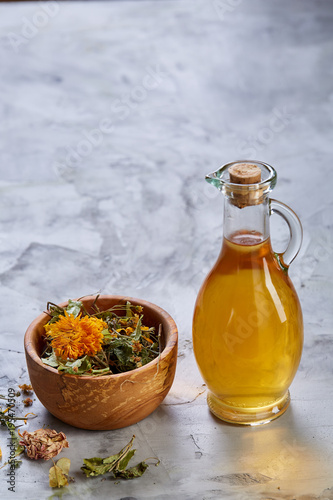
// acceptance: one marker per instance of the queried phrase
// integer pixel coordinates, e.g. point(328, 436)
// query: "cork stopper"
point(245, 173)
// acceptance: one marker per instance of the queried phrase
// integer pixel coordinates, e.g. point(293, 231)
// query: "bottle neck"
point(248, 225)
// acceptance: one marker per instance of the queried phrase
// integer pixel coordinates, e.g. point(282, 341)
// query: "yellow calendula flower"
point(74, 337)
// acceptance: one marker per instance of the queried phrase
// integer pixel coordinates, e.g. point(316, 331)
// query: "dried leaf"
point(115, 463)
point(101, 371)
point(51, 360)
point(137, 332)
point(129, 313)
point(124, 353)
point(76, 367)
point(13, 463)
point(124, 461)
point(58, 474)
point(54, 311)
point(99, 466)
point(64, 464)
point(74, 307)
point(15, 439)
point(7, 418)
point(132, 472)
point(95, 466)
point(56, 477)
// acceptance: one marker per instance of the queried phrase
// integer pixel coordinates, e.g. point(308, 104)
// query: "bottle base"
point(248, 416)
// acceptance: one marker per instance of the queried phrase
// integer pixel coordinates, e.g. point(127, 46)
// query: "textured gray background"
point(129, 211)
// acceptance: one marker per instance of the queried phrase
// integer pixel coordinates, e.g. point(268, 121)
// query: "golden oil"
point(247, 331)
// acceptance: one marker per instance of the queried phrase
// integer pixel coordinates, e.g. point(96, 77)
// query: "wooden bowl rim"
point(41, 319)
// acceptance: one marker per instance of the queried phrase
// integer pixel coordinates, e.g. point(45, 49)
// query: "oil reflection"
point(281, 460)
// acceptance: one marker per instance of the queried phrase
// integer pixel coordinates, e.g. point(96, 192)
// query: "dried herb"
point(58, 474)
point(101, 343)
point(115, 463)
point(6, 418)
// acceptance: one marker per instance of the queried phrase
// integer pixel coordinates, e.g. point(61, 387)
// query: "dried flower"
point(72, 337)
point(27, 402)
point(26, 388)
point(137, 346)
point(43, 443)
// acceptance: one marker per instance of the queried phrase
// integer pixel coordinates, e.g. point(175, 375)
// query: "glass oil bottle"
point(247, 324)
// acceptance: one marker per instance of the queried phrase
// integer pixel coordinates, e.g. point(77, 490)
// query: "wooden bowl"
point(108, 401)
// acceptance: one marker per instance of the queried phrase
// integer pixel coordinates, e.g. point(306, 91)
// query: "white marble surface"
point(174, 89)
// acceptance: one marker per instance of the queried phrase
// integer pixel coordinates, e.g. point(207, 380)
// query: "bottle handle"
point(296, 232)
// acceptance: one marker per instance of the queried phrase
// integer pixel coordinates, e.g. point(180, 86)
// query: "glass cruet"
point(247, 323)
